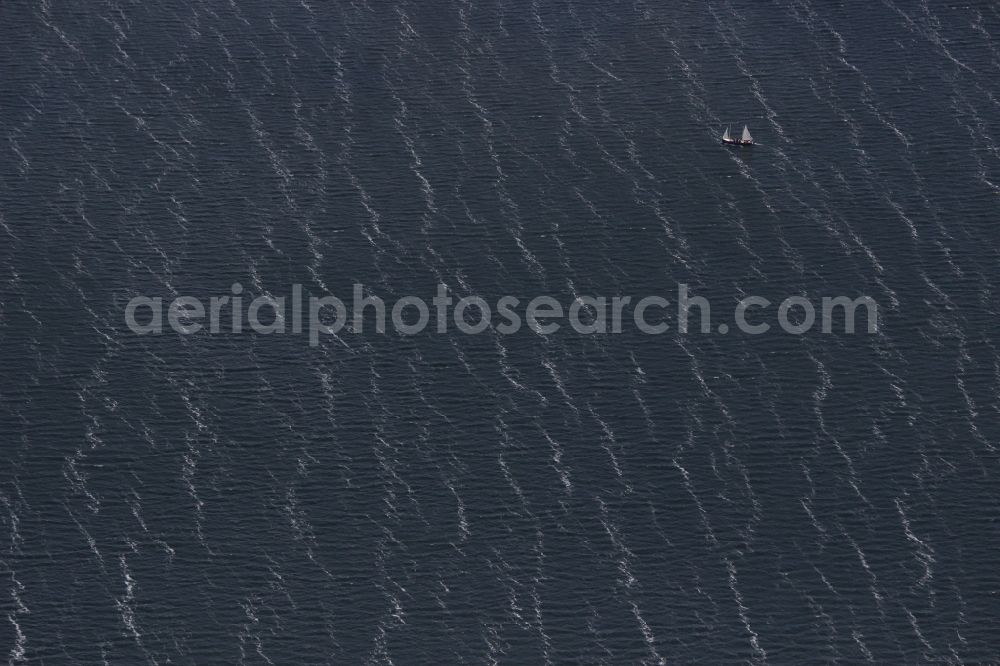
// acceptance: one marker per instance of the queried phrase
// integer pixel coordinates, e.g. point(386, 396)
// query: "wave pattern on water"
point(514, 499)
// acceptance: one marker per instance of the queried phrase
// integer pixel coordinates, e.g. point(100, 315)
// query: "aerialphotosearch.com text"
point(327, 315)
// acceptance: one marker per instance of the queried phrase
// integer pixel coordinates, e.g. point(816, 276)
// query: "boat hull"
point(737, 142)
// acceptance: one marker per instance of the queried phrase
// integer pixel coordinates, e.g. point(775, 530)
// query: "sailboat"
point(744, 140)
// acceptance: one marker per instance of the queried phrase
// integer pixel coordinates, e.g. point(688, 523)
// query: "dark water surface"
point(517, 499)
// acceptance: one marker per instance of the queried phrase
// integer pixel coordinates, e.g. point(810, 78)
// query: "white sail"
point(725, 136)
point(746, 135)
